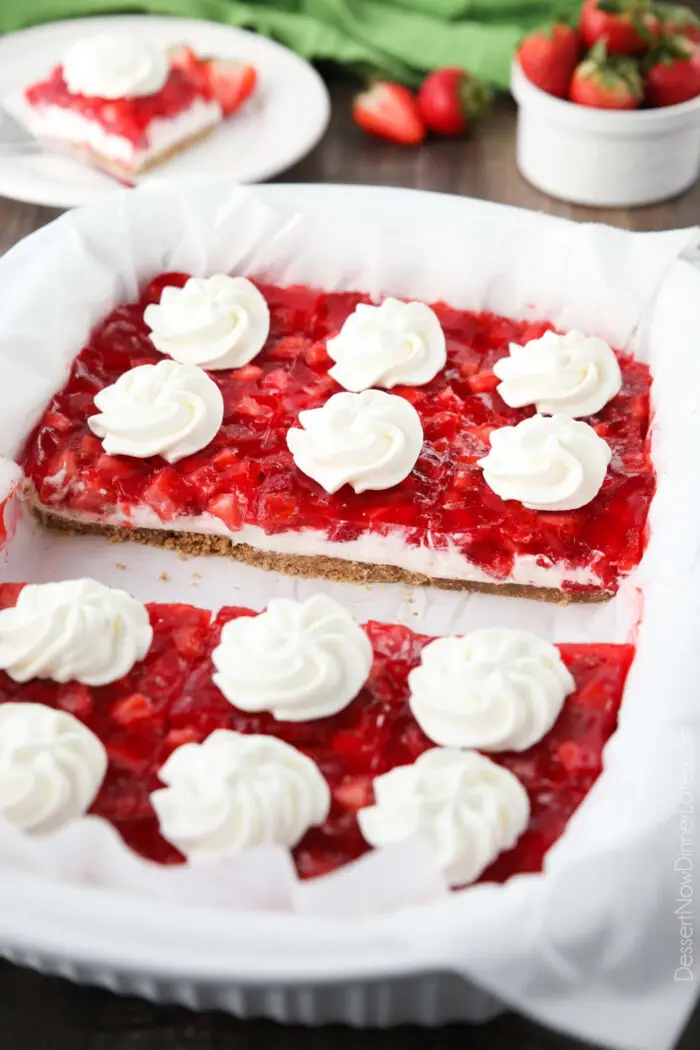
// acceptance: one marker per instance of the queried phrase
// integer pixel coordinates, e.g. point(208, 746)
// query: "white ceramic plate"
point(279, 125)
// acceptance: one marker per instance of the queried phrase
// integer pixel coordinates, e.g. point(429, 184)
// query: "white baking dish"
point(605, 158)
point(573, 947)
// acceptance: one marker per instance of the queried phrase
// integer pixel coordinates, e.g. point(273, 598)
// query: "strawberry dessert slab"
point(324, 434)
point(125, 104)
point(542, 929)
point(200, 737)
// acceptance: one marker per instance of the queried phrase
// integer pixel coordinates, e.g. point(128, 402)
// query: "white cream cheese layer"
point(446, 563)
point(69, 126)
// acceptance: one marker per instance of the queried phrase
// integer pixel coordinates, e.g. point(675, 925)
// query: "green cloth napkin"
point(400, 38)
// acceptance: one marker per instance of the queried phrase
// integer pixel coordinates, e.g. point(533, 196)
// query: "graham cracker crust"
point(128, 175)
point(320, 566)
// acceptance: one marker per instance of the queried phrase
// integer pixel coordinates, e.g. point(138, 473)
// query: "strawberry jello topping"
point(128, 118)
point(247, 475)
point(169, 700)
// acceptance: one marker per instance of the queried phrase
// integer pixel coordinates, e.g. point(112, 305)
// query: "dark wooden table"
point(39, 1013)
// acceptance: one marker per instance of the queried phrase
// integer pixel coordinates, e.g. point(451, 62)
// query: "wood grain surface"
point(40, 1013)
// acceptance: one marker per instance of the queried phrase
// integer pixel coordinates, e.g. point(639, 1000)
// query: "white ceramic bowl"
point(605, 158)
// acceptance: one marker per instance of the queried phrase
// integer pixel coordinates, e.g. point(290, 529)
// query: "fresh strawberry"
point(227, 80)
point(673, 72)
point(389, 111)
point(678, 21)
point(450, 100)
point(607, 82)
point(626, 27)
point(230, 82)
point(548, 58)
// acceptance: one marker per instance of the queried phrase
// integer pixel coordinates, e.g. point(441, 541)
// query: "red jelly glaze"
point(127, 117)
point(247, 475)
point(170, 699)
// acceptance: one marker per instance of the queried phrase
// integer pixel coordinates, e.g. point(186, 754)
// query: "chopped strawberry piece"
point(255, 407)
point(187, 639)
point(131, 752)
point(115, 467)
point(57, 421)
point(166, 494)
point(248, 373)
point(483, 381)
point(355, 793)
point(185, 735)
point(76, 699)
point(317, 356)
point(63, 466)
point(154, 289)
point(288, 348)
point(134, 708)
point(92, 494)
point(224, 458)
point(578, 759)
point(278, 379)
point(90, 448)
point(229, 508)
point(277, 508)
point(9, 593)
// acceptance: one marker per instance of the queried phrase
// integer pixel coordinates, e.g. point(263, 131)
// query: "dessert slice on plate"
point(124, 104)
point(326, 435)
point(295, 727)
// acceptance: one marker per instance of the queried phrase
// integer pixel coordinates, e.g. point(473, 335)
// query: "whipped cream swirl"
point(233, 792)
point(115, 65)
point(370, 441)
point(74, 630)
point(214, 322)
point(167, 410)
point(547, 463)
point(494, 689)
point(575, 374)
point(298, 660)
point(51, 767)
point(395, 343)
point(465, 807)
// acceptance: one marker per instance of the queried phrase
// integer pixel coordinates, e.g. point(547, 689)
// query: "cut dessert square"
point(129, 715)
point(201, 715)
point(247, 494)
point(120, 104)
